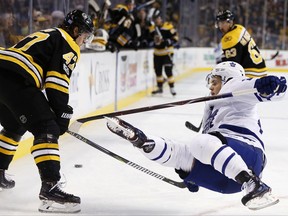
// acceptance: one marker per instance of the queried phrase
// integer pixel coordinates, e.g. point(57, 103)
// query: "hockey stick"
point(75, 126)
point(192, 127)
point(273, 56)
point(103, 13)
point(145, 4)
point(124, 160)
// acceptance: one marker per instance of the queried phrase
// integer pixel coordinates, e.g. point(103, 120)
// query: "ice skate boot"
point(157, 91)
point(55, 200)
point(129, 132)
point(257, 194)
point(172, 91)
point(5, 182)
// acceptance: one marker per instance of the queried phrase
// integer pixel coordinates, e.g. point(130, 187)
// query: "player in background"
point(238, 45)
point(230, 154)
point(124, 31)
point(42, 61)
point(165, 37)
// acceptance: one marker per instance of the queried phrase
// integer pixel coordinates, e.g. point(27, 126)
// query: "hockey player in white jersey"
point(229, 156)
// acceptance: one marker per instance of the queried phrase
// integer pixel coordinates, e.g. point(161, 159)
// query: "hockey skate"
point(257, 194)
point(172, 91)
point(54, 200)
point(5, 182)
point(129, 132)
point(157, 91)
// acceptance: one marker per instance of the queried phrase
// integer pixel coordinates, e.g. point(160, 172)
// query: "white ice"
point(109, 187)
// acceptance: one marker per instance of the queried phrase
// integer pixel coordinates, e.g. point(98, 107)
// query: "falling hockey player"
point(43, 60)
point(229, 156)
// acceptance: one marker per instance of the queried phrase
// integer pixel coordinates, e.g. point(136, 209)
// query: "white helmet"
point(100, 40)
point(227, 70)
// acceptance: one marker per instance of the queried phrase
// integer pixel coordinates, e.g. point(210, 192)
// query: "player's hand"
point(63, 119)
point(270, 85)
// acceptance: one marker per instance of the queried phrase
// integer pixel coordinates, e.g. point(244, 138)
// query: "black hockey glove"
point(134, 44)
point(63, 118)
point(168, 42)
point(192, 187)
point(112, 47)
point(269, 85)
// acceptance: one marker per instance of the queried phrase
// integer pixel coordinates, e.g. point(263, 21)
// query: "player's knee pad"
point(204, 146)
point(14, 136)
point(45, 138)
point(46, 127)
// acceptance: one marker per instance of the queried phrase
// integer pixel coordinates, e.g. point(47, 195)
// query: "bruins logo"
point(228, 38)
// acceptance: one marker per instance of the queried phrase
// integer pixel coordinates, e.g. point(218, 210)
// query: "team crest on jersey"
point(228, 38)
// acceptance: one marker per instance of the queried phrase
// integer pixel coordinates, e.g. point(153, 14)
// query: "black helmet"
point(225, 15)
point(129, 2)
point(81, 20)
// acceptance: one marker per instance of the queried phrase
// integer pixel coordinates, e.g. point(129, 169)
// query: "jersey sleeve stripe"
point(58, 75)
point(57, 87)
point(57, 81)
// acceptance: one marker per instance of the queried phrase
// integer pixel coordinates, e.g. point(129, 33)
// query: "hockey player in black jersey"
point(165, 37)
point(42, 61)
point(123, 31)
point(238, 45)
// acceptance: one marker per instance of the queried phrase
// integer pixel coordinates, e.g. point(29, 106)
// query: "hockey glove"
point(63, 119)
point(168, 42)
point(112, 47)
point(269, 85)
point(192, 187)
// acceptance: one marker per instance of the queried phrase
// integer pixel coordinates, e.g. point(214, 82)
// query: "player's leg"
point(10, 136)
point(168, 68)
point(231, 158)
point(11, 132)
point(45, 151)
point(30, 107)
point(158, 67)
point(208, 149)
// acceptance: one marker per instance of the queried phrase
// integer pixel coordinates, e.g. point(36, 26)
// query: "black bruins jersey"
point(167, 31)
point(45, 59)
point(239, 46)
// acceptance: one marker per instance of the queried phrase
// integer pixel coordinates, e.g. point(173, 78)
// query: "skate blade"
point(48, 206)
point(262, 202)
point(115, 125)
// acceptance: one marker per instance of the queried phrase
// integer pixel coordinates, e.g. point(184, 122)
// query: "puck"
point(78, 165)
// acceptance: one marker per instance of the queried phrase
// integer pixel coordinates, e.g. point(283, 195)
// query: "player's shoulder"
point(59, 34)
point(233, 37)
point(167, 26)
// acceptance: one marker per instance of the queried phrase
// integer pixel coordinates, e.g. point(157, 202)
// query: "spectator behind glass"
point(8, 37)
point(57, 17)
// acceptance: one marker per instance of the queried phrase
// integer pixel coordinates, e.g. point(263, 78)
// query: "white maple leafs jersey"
point(237, 117)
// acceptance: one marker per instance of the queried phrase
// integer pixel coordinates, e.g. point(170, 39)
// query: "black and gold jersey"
point(168, 33)
point(45, 59)
point(239, 46)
